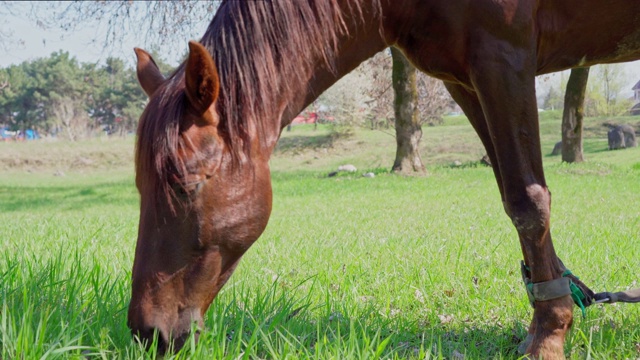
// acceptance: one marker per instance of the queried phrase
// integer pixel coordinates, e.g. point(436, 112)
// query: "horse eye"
point(180, 191)
point(198, 186)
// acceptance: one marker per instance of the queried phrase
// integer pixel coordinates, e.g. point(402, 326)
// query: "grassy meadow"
point(349, 267)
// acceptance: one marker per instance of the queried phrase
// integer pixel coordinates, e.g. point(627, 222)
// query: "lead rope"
point(628, 296)
point(563, 286)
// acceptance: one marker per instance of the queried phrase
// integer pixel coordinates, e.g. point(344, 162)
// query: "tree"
point(113, 94)
point(603, 96)
point(432, 100)
point(394, 102)
point(58, 95)
point(573, 114)
point(63, 92)
point(553, 100)
point(89, 96)
point(345, 101)
point(407, 123)
point(70, 116)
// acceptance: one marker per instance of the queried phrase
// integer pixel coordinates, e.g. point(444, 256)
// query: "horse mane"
point(159, 140)
point(252, 44)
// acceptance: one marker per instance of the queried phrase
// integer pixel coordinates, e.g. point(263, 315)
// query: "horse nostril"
point(178, 340)
point(157, 340)
point(161, 345)
point(148, 335)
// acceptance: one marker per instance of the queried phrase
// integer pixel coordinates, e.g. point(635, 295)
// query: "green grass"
point(348, 268)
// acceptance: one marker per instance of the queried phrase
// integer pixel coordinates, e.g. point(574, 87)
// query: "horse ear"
point(149, 76)
point(201, 78)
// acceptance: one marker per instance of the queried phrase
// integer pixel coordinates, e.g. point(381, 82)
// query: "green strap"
point(578, 296)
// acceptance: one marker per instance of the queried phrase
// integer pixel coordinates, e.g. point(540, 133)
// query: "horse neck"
point(352, 50)
point(587, 32)
point(293, 81)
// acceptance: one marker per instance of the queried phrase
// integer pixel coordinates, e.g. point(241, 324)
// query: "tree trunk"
point(408, 128)
point(573, 114)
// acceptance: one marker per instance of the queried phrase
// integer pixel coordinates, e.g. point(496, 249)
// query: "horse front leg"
point(506, 95)
point(470, 104)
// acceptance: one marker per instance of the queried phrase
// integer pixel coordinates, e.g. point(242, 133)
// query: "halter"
point(563, 286)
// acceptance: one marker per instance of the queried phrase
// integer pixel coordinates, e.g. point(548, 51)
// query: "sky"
point(28, 41)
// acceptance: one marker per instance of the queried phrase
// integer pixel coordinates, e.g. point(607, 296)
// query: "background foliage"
point(56, 95)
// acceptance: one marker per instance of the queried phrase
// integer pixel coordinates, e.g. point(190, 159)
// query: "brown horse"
point(205, 138)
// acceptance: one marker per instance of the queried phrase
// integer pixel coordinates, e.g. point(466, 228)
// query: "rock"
point(486, 160)
point(629, 136)
point(369, 175)
point(557, 149)
point(615, 138)
point(457, 163)
point(621, 136)
point(347, 168)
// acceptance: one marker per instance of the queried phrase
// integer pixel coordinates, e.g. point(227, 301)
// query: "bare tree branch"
point(433, 99)
point(154, 21)
point(8, 36)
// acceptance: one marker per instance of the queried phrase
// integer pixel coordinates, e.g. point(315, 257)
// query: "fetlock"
point(551, 321)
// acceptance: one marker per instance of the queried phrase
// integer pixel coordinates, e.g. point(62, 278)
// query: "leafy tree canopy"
point(57, 94)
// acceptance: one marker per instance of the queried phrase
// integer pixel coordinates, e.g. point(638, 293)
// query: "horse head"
point(196, 200)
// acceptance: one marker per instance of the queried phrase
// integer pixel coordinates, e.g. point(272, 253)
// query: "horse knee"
point(530, 212)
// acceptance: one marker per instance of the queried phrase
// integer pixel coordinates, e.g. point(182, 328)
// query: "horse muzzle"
point(166, 333)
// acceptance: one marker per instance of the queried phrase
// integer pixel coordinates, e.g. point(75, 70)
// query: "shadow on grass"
point(65, 198)
point(257, 321)
point(304, 142)
point(337, 335)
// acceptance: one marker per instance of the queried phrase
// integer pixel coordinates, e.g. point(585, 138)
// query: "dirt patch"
point(64, 156)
